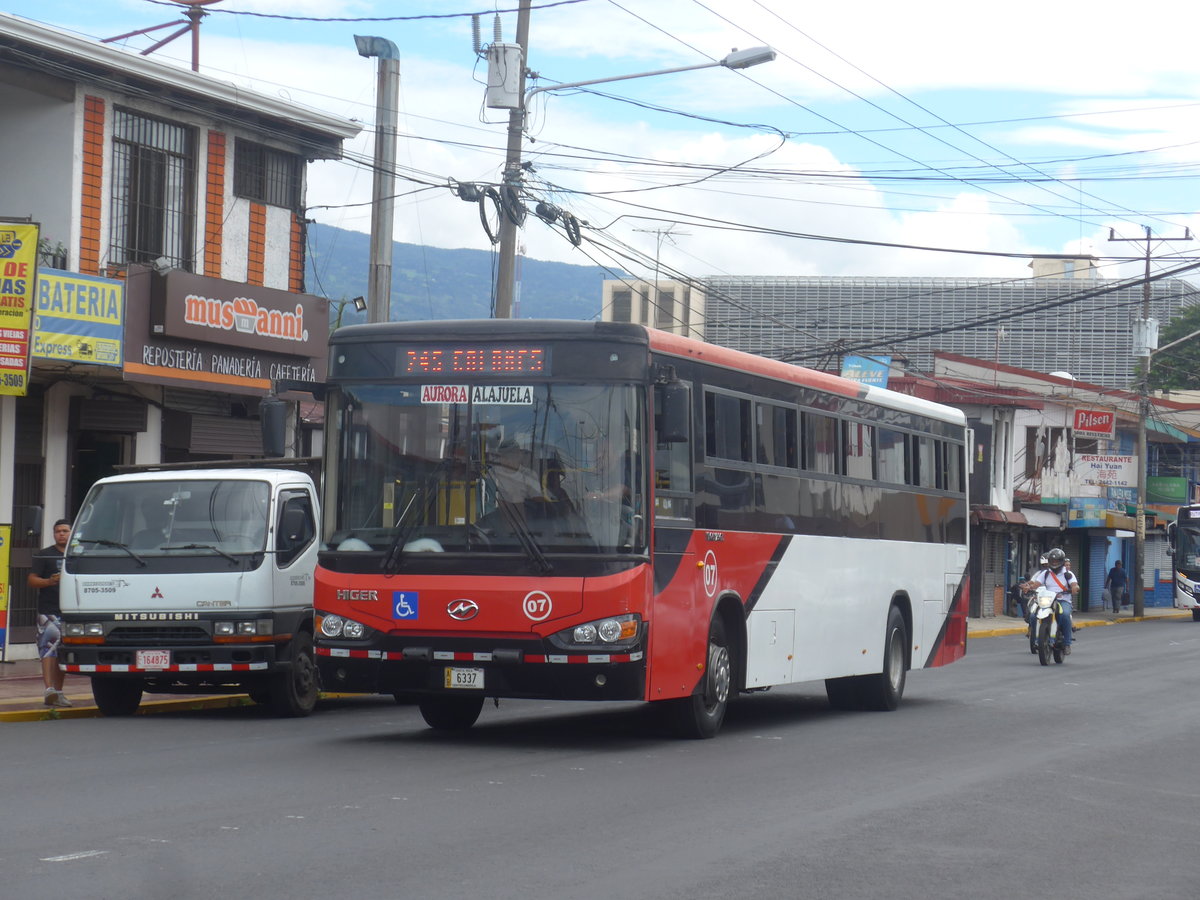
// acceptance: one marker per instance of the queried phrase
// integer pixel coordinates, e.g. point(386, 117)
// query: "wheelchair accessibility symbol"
point(404, 604)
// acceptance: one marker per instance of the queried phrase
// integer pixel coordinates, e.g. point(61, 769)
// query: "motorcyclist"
point(1058, 578)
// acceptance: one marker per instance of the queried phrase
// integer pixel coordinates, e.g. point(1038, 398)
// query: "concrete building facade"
point(1067, 320)
point(170, 296)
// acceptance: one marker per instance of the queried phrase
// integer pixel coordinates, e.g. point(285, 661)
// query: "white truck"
point(194, 580)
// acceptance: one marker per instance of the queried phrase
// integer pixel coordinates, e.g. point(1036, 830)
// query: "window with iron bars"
point(153, 190)
point(266, 175)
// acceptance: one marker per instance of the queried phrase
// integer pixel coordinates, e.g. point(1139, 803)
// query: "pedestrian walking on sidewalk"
point(1115, 582)
point(45, 575)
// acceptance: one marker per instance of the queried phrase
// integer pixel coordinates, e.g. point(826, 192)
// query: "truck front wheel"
point(294, 691)
point(117, 696)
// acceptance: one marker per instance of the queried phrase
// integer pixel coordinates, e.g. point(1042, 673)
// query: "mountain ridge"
point(437, 283)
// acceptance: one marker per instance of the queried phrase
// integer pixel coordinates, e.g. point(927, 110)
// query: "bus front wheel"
point(444, 713)
point(700, 715)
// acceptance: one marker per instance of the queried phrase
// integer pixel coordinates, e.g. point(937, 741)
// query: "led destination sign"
point(449, 359)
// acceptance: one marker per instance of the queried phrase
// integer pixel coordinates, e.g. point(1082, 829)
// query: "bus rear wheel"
point(444, 713)
point(700, 715)
point(880, 692)
point(117, 696)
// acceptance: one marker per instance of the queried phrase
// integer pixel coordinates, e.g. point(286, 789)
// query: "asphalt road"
point(996, 778)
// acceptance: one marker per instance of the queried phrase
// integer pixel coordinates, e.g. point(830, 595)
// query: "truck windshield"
point(172, 518)
point(531, 469)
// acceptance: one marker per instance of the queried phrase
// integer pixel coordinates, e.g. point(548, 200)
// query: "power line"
point(550, 4)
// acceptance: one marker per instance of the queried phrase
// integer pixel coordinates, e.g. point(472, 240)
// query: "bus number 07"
point(537, 606)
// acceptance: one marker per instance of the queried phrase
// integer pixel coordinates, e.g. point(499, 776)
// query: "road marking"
point(73, 856)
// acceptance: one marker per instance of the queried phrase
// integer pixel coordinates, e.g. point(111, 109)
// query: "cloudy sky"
point(883, 137)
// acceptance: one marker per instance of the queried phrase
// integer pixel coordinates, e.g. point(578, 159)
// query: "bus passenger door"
point(678, 625)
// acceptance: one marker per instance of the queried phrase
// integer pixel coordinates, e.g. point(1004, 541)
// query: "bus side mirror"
point(674, 416)
point(273, 418)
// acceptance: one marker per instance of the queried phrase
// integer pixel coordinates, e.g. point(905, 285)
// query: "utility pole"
point(511, 210)
point(506, 268)
point(1145, 336)
point(383, 190)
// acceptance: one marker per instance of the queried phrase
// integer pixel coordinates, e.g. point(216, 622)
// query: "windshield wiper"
point(520, 527)
point(228, 556)
point(106, 543)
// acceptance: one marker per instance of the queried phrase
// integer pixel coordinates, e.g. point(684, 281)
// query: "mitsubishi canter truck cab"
point(194, 581)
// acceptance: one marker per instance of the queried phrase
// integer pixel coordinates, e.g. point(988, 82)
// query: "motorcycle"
point(1045, 638)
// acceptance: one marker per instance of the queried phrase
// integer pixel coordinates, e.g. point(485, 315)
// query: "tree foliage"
point(1178, 368)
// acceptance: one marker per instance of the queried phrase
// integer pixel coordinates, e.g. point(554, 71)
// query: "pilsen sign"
point(1095, 423)
point(211, 334)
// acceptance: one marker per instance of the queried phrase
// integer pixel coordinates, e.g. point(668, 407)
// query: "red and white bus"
point(600, 511)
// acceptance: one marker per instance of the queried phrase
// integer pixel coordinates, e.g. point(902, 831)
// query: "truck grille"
point(159, 636)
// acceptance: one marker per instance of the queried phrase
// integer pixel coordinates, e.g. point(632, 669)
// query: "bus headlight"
point(609, 633)
point(332, 626)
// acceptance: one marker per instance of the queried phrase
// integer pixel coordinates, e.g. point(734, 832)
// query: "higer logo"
point(245, 316)
point(357, 595)
point(462, 610)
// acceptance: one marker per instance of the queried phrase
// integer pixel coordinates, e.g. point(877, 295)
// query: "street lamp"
point(738, 59)
point(359, 304)
point(506, 268)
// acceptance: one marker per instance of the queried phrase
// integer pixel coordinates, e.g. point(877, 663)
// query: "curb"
point(147, 708)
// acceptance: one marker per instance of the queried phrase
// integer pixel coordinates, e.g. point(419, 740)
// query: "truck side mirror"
point(674, 414)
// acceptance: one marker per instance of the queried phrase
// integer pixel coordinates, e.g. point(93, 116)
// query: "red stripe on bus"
point(675, 345)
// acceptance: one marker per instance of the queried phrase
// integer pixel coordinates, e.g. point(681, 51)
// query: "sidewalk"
point(21, 681)
point(997, 625)
point(21, 692)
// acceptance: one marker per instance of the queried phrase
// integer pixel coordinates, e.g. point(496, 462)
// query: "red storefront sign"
point(1095, 423)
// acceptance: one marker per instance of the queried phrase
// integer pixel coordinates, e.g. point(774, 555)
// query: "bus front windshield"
point(1187, 547)
point(545, 468)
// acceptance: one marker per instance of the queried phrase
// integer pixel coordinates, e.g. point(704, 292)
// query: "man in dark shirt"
point(45, 575)
point(1115, 583)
